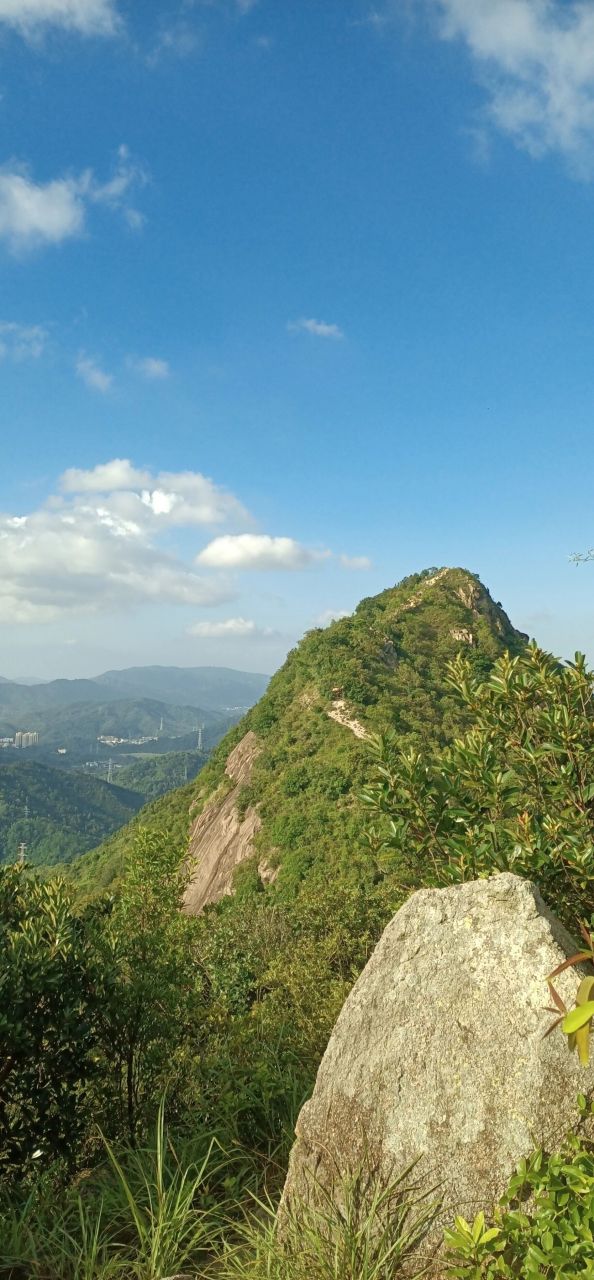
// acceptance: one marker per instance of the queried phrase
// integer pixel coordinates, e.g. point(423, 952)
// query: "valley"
point(91, 752)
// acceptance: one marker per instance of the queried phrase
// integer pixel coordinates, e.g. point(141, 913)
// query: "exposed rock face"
point(340, 712)
point(439, 1055)
point(462, 633)
point(219, 838)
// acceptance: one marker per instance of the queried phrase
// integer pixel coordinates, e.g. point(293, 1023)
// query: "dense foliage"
point(515, 793)
point(544, 1226)
point(154, 776)
point(57, 815)
point(388, 662)
point(215, 1025)
point(51, 985)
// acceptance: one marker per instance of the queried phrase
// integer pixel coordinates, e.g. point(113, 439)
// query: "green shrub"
point(514, 794)
point(543, 1228)
point(52, 991)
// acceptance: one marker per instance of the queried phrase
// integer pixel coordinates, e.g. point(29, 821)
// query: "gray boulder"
point(439, 1055)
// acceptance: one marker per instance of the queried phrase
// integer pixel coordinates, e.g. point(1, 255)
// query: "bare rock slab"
point(439, 1052)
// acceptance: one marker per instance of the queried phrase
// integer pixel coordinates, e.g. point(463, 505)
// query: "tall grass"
point(363, 1227)
point(151, 1214)
point(148, 1215)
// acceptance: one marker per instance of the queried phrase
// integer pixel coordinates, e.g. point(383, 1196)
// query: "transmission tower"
point(200, 728)
point(22, 851)
point(110, 771)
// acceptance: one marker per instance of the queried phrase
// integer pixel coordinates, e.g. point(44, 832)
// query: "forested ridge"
point(387, 662)
point(167, 1055)
point(57, 815)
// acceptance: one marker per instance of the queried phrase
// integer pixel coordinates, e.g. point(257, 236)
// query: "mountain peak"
point(295, 809)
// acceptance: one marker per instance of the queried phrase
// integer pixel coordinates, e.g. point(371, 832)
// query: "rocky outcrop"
point(339, 712)
point(462, 633)
point(439, 1052)
point(219, 838)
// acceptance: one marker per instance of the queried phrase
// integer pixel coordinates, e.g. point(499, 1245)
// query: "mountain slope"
point(156, 775)
point(295, 807)
point(57, 815)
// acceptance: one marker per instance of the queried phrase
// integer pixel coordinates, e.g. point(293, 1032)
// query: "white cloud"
point(36, 213)
point(188, 498)
point(21, 341)
point(96, 548)
point(536, 60)
point(93, 375)
point(229, 627)
point(88, 17)
point(317, 328)
point(73, 560)
point(258, 551)
point(150, 367)
point(355, 562)
point(153, 500)
point(33, 214)
point(106, 477)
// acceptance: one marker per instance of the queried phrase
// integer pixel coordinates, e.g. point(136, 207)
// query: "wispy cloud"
point(317, 328)
point(33, 213)
point(93, 375)
point(177, 39)
point(258, 551)
point(21, 341)
point(150, 367)
point(87, 17)
point(229, 628)
point(535, 59)
point(355, 562)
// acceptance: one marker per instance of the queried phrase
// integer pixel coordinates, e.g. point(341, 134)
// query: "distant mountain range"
point(210, 688)
point(218, 689)
point(169, 703)
point(61, 812)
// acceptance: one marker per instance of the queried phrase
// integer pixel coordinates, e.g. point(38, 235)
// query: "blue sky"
point(295, 299)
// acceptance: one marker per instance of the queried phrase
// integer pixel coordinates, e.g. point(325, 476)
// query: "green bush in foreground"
point(516, 793)
point(51, 995)
point(544, 1227)
point(161, 1211)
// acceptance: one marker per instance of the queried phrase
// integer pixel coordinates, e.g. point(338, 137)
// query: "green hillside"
point(387, 664)
point(156, 775)
point(58, 815)
point(488, 765)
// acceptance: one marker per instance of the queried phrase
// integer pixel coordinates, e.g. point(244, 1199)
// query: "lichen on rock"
point(439, 1054)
